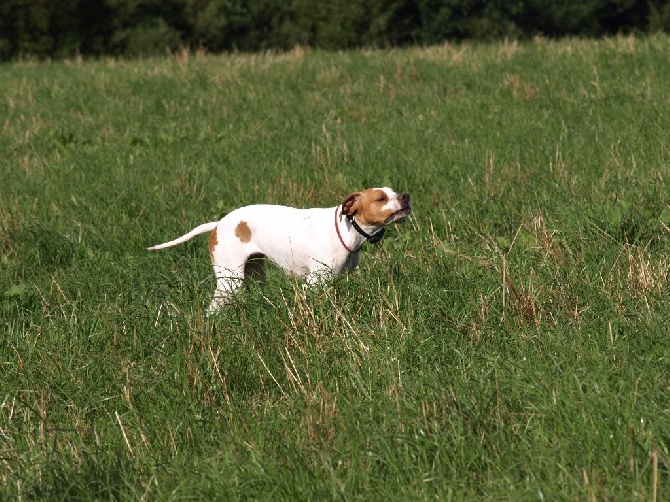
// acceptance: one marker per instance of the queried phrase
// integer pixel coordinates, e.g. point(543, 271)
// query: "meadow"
point(508, 342)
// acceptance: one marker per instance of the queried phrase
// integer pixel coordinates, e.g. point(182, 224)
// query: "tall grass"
point(510, 341)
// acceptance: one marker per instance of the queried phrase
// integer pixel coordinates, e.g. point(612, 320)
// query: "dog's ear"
point(349, 204)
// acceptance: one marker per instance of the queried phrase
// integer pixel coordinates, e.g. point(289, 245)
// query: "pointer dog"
point(311, 243)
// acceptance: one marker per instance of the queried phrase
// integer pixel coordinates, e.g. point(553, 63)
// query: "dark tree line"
point(64, 28)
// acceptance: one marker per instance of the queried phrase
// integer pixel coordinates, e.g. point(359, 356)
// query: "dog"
point(314, 243)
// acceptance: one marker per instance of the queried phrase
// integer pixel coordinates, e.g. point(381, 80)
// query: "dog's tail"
point(205, 227)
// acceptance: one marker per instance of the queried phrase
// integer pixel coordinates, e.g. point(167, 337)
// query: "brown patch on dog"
point(367, 205)
point(212, 242)
point(243, 232)
point(349, 204)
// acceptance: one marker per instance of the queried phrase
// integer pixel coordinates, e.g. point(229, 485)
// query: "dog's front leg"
point(318, 277)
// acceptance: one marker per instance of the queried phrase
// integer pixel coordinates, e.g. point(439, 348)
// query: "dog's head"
point(377, 206)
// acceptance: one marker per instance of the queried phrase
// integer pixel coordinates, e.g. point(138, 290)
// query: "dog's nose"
point(403, 198)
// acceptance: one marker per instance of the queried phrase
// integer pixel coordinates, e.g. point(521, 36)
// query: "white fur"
point(303, 242)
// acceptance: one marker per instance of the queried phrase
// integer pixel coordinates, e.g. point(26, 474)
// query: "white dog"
point(311, 243)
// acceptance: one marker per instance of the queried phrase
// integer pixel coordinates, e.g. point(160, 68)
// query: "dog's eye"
point(381, 199)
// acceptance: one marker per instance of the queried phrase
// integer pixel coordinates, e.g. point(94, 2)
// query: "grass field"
point(510, 341)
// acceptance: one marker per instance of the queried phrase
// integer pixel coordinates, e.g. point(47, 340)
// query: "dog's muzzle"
point(403, 213)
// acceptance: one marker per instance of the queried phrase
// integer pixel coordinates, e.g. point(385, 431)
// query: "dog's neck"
point(353, 235)
point(371, 238)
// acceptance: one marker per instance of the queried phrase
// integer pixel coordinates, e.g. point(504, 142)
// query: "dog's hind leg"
point(228, 263)
point(230, 280)
point(227, 282)
point(233, 262)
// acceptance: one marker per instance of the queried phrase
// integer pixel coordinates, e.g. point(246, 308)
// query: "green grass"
point(510, 341)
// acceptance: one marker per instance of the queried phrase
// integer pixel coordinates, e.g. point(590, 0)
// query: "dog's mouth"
point(399, 215)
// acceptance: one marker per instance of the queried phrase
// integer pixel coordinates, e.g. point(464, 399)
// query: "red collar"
point(339, 235)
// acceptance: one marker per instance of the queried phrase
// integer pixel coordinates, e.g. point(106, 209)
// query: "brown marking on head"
point(348, 204)
point(212, 242)
point(368, 206)
point(243, 232)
